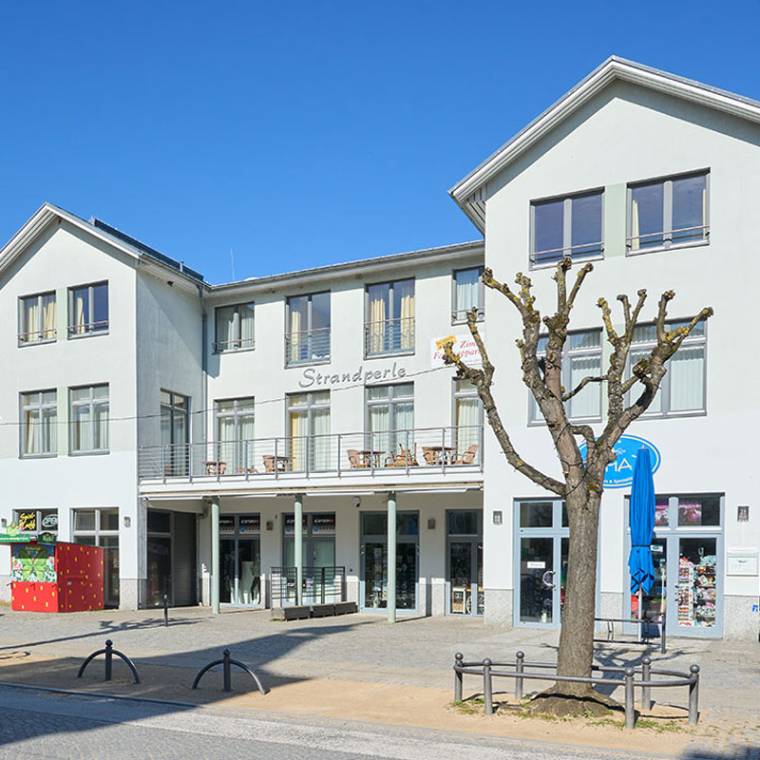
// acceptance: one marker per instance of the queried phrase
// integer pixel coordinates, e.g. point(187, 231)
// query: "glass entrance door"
point(240, 560)
point(374, 551)
point(465, 562)
point(537, 604)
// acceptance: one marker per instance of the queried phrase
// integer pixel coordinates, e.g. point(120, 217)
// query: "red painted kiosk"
point(56, 577)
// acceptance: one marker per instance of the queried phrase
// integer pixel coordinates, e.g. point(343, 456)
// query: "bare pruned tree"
point(629, 395)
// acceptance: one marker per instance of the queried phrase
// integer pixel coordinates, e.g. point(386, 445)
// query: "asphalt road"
point(42, 725)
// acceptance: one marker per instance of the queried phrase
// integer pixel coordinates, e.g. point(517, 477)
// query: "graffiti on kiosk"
point(619, 474)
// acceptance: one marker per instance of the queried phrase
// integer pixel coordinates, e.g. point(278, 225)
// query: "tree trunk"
point(576, 637)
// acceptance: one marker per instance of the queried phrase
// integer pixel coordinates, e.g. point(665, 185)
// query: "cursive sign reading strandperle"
point(310, 378)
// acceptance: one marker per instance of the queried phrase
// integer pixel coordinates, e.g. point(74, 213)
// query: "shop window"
point(463, 523)
point(536, 514)
point(699, 511)
point(100, 527)
point(36, 520)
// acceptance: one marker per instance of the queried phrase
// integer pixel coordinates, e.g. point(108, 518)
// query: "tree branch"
point(582, 384)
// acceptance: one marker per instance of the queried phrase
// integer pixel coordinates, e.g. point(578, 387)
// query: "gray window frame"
point(534, 414)
point(23, 329)
point(455, 312)
point(390, 318)
point(90, 326)
point(22, 427)
point(567, 230)
point(250, 345)
point(72, 423)
point(391, 401)
point(665, 384)
point(309, 330)
point(667, 215)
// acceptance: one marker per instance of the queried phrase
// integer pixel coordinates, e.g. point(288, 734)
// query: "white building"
point(190, 424)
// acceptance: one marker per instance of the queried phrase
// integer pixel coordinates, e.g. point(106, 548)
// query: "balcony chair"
point(469, 455)
point(429, 455)
point(405, 458)
point(355, 460)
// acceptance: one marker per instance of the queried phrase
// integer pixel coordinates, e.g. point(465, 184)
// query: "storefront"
point(688, 560)
point(373, 591)
point(171, 558)
point(464, 554)
point(240, 560)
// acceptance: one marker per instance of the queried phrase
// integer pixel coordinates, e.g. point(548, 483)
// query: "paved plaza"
point(360, 668)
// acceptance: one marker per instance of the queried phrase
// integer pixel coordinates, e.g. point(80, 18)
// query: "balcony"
point(307, 347)
point(385, 454)
point(389, 336)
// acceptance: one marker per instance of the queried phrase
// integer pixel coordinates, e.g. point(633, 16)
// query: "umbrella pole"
point(641, 618)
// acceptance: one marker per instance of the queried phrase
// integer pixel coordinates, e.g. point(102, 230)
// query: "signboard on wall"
point(619, 474)
point(464, 345)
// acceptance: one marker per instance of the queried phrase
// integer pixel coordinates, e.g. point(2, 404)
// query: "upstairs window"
point(468, 294)
point(582, 357)
point(682, 389)
point(39, 424)
point(88, 419)
point(88, 309)
point(668, 212)
point(36, 319)
point(307, 339)
point(566, 227)
point(389, 321)
point(234, 328)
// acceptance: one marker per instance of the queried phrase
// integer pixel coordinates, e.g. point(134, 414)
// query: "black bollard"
point(166, 610)
point(109, 659)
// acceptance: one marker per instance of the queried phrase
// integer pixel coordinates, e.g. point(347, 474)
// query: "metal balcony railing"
point(339, 454)
point(37, 336)
point(87, 328)
point(389, 336)
point(307, 346)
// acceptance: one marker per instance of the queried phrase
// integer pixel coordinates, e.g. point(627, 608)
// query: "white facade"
point(168, 470)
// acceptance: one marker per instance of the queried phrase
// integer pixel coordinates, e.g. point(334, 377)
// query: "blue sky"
point(305, 133)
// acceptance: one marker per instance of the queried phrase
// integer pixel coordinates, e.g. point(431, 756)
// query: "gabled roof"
point(469, 192)
point(48, 213)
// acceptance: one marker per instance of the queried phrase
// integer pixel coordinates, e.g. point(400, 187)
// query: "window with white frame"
point(234, 327)
point(88, 309)
point(39, 424)
point(668, 212)
point(309, 431)
point(100, 527)
point(307, 338)
point(582, 357)
point(682, 389)
point(36, 319)
point(390, 419)
point(468, 293)
point(389, 318)
point(566, 227)
point(468, 421)
point(234, 433)
point(88, 419)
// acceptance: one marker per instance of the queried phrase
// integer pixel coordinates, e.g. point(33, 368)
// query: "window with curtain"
point(682, 390)
point(39, 424)
point(390, 419)
point(309, 431)
point(468, 418)
point(582, 357)
point(667, 212)
point(569, 226)
point(389, 323)
point(175, 432)
point(36, 319)
point(468, 294)
point(234, 328)
point(235, 434)
point(88, 419)
point(88, 309)
point(307, 339)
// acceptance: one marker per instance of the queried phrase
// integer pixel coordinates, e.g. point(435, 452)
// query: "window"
point(37, 520)
point(307, 338)
point(682, 390)
point(234, 434)
point(88, 309)
point(36, 319)
point(389, 324)
point(468, 294)
point(390, 419)
point(582, 357)
point(570, 226)
point(234, 328)
point(309, 431)
point(668, 212)
point(175, 432)
point(468, 422)
point(88, 419)
point(100, 527)
point(39, 424)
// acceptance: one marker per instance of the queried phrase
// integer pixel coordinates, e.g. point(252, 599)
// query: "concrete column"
point(391, 553)
point(298, 545)
point(214, 579)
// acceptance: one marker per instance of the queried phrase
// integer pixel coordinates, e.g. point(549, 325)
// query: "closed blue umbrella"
point(642, 511)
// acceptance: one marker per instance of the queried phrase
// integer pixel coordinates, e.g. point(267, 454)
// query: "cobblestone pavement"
point(415, 652)
point(39, 725)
